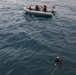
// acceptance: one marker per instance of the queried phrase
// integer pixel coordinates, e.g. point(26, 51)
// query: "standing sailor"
point(44, 8)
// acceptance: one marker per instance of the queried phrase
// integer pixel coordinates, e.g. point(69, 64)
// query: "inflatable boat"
point(48, 13)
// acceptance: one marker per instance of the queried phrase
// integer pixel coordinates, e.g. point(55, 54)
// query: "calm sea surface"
point(29, 44)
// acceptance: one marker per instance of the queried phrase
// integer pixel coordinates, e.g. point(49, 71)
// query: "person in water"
point(58, 60)
point(44, 8)
point(37, 8)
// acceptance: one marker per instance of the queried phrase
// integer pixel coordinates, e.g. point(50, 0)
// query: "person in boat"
point(41, 8)
point(58, 60)
point(29, 7)
point(53, 9)
point(37, 8)
point(44, 8)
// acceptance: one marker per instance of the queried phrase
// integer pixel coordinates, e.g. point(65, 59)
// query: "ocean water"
point(29, 44)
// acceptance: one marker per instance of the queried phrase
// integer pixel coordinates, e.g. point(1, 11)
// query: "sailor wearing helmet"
point(44, 8)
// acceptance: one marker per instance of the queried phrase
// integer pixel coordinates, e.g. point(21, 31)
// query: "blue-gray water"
point(29, 44)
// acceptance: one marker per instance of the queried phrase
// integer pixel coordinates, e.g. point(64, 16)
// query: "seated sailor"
point(37, 8)
point(53, 9)
point(29, 7)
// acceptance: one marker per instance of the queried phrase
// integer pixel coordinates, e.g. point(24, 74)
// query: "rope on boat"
point(55, 69)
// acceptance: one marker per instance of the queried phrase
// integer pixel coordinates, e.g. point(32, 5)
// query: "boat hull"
point(38, 13)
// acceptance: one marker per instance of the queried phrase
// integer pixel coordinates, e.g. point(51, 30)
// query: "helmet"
point(44, 4)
